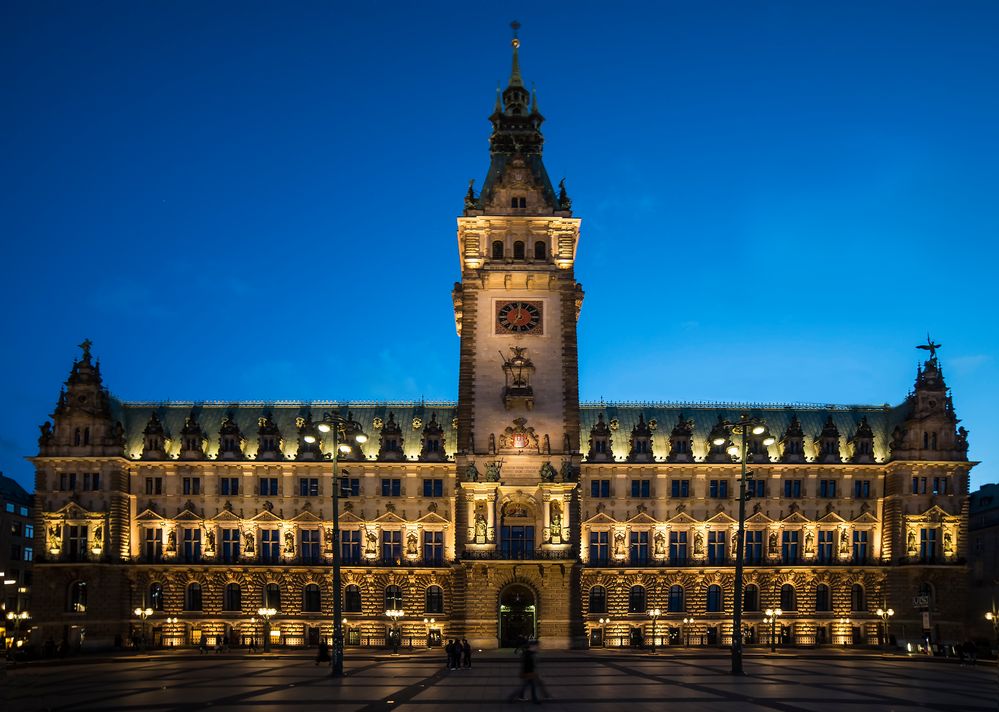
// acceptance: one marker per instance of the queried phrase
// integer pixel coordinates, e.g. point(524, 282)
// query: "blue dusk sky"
point(779, 199)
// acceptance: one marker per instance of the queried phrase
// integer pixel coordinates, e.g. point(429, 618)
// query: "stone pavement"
point(584, 681)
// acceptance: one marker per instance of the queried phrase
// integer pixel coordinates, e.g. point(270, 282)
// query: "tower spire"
point(515, 78)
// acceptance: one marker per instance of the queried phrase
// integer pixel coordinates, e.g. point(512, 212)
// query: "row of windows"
point(12, 508)
point(931, 485)
point(637, 599)
point(519, 248)
point(719, 489)
point(19, 552)
point(307, 486)
point(717, 553)
point(20, 529)
point(83, 481)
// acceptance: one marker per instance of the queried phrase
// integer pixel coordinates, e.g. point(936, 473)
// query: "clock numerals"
point(518, 317)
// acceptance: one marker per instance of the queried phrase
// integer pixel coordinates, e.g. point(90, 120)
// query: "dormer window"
point(600, 446)
point(641, 446)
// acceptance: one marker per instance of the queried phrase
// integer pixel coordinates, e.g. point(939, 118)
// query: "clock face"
point(518, 317)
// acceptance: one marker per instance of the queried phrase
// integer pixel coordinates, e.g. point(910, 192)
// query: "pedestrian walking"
point(527, 676)
point(323, 654)
point(449, 652)
point(466, 653)
point(971, 650)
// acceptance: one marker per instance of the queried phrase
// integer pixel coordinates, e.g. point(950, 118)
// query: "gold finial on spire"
point(515, 79)
point(516, 26)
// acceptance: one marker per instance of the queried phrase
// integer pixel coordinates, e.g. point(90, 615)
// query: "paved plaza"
point(576, 681)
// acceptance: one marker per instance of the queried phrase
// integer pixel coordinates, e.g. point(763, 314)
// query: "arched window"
point(192, 597)
point(76, 436)
point(232, 598)
point(434, 599)
point(823, 601)
point(311, 600)
point(751, 598)
point(272, 596)
point(636, 599)
point(497, 249)
point(788, 598)
point(857, 602)
point(714, 598)
point(352, 599)
point(78, 597)
point(598, 599)
point(156, 596)
point(393, 598)
point(676, 598)
point(540, 253)
point(518, 250)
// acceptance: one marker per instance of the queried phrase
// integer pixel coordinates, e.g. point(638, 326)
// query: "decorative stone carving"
point(493, 471)
point(519, 436)
point(547, 473)
point(471, 472)
point(517, 372)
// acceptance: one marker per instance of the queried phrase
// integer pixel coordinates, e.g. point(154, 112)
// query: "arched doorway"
point(517, 615)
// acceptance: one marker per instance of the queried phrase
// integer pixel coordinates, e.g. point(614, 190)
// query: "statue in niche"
point(248, 542)
point(619, 545)
point(493, 472)
point(698, 544)
point(289, 543)
point(948, 543)
point(660, 546)
point(844, 543)
point(910, 543)
point(471, 473)
point(55, 537)
point(328, 539)
point(547, 472)
point(492, 443)
point(809, 542)
point(555, 514)
point(411, 549)
point(565, 471)
point(480, 527)
point(371, 543)
point(773, 544)
point(210, 538)
point(171, 541)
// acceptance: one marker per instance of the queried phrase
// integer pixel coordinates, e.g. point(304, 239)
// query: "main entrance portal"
point(518, 616)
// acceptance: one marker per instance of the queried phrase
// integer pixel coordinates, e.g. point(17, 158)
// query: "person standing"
point(449, 651)
point(466, 653)
point(527, 675)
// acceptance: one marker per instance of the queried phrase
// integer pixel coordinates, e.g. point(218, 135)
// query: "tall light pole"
point(266, 614)
point(885, 615)
point(339, 426)
point(654, 615)
point(603, 630)
point(143, 613)
point(394, 615)
point(16, 619)
point(993, 618)
point(686, 631)
point(772, 614)
point(743, 428)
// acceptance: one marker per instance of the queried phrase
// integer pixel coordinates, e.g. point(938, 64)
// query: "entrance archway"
point(518, 620)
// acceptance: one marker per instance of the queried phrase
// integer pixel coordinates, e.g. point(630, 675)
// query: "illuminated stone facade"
point(514, 511)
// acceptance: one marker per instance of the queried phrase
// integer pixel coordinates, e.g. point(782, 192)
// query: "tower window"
point(539, 250)
point(498, 250)
point(518, 201)
point(518, 250)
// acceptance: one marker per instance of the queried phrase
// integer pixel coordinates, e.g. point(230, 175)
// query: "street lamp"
point(16, 619)
point(394, 615)
point(686, 631)
point(603, 630)
point(143, 613)
point(771, 616)
point(885, 615)
point(993, 618)
point(170, 620)
point(339, 426)
point(654, 615)
point(745, 425)
point(848, 636)
point(266, 614)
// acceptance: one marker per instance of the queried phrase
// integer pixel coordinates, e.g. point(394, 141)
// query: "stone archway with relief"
point(518, 615)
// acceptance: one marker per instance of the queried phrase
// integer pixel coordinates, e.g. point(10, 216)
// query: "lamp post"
point(686, 631)
point(394, 615)
point(266, 614)
point(848, 636)
point(427, 622)
point(745, 425)
point(170, 620)
point(654, 615)
point(603, 630)
point(885, 615)
point(143, 613)
point(771, 616)
point(338, 425)
point(16, 619)
point(993, 618)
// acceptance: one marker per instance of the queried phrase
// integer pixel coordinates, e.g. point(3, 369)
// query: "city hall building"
point(516, 510)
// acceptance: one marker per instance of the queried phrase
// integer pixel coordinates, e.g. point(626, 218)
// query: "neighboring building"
point(516, 510)
point(983, 557)
point(17, 532)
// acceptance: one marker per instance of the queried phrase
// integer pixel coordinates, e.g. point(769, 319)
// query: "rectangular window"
point(191, 485)
point(270, 546)
point(928, 545)
point(29, 531)
point(350, 546)
point(941, 485)
point(718, 489)
point(600, 488)
point(230, 546)
point(152, 545)
point(599, 548)
point(754, 547)
point(229, 486)
point(792, 488)
point(433, 488)
point(308, 486)
point(310, 546)
point(10, 507)
point(392, 546)
point(859, 547)
point(91, 480)
point(679, 488)
point(76, 540)
point(391, 487)
point(67, 483)
point(827, 489)
point(29, 553)
point(756, 489)
point(678, 548)
point(861, 489)
point(517, 542)
point(154, 485)
point(641, 488)
point(716, 547)
point(355, 486)
point(433, 548)
point(825, 552)
point(192, 546)
point(639, 549)
point(269, 486)
point(789, 547)
point(919, 485)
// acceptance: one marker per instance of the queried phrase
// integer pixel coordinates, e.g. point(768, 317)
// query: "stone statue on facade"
point(698, 544)
point(411, 545)
point(773, 544)
point(548, 473)
point(555, 509)
point(480, 528)
point(660, 546)
point(371, 543)
point(248, 542)
point(493, 472)
point(289, 543)
point(619, 545)
point(171, 541)
point(471, 473)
